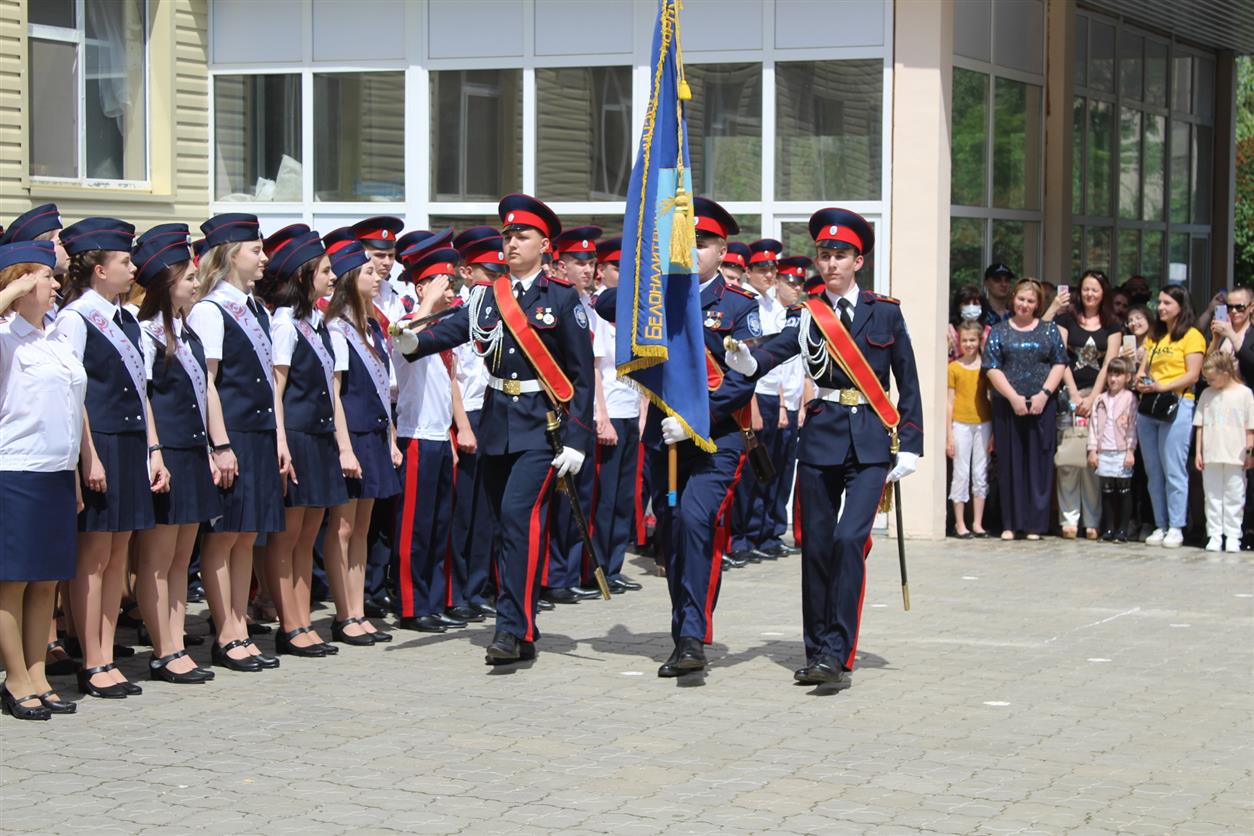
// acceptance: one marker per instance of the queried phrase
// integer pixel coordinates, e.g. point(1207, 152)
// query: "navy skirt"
point(316, 460)
point(192, 498)
point(126, 504)
point(379, 479)
point(38, 538)
point(255, 501)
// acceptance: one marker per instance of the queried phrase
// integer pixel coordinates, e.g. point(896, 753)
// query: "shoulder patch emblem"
point(754, 323)
point(581, 317)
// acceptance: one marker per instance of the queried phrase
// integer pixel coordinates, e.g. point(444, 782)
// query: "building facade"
point(1049, 134)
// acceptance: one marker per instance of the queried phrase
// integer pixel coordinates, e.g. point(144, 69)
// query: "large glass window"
point(476, 134)
point(828, 119)
point(969, 177)
point(359, 136)
point(583, 133)
point(1017, 145)
point(88, 90)
point(257, 138)
point(725, 130)
point(966, 251)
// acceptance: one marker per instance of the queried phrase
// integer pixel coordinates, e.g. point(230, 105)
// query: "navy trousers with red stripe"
point(474, 530)
point(752, 526)
point(784, 454)
point(519, 487)
point(833, 553)
point(616, 498)
point(687, 534)
point(565, 563)
point(424, 514)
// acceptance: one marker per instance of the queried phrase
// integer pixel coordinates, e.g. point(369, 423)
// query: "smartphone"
point(1129, 342)
point(1064, 288)
point(1221, 313)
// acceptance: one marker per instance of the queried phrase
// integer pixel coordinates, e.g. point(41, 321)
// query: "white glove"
point(740, 359)
point(568, 461)
point(673, 431)
point(406, 341)
point(907, 463)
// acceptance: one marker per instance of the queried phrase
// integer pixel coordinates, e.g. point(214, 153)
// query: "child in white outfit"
point(1225, 449)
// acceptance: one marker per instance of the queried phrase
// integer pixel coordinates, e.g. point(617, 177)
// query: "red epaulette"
point(879, 297)
point(562, 282)
point(743, 293)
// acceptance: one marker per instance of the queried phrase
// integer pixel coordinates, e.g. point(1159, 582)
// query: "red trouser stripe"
point(857, 625)
point(409, 501)
point(642, 534)
point(722, 530)
point(536, 540)
point(796, 510)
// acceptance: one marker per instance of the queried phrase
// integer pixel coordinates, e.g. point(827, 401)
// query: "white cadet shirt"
point(206, 317)
point(424, 398)
point(621, 400)
point(472, 372)
point(42, 390)
point(283, 333)
point(71, 328)
point(772, 315)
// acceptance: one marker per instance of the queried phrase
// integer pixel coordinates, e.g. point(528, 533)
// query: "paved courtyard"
point(1034, 688)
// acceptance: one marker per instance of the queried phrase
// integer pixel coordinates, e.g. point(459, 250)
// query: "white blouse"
point(42, 388)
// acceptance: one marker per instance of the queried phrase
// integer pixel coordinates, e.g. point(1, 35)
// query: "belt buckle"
point(511, 387)
point(850, 397)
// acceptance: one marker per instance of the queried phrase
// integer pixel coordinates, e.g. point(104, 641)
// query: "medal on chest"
point(714, 319)
point(545, 316)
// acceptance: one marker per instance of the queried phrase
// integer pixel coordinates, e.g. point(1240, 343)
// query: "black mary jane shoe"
point(221, 658)
point(378, 636)
point(108, 692)
point(267, 662)
point(338, 634)
point(13, 705)
point(61, 667)
point(284, 647)
point(57, 706)
point(158, 669)
point(131, 689)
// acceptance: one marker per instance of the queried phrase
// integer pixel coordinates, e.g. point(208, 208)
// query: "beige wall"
point(178, 124)
point(922, 74)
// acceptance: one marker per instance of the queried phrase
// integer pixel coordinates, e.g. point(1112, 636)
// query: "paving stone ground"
point(1034, 688)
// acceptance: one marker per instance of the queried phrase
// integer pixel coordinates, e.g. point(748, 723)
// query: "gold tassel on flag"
point(683, 230)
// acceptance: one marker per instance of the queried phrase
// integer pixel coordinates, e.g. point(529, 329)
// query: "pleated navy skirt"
point(254, 502)
point(379, 479)
point(38, 537)
point(126, 504)
point(192, 498)
point(316, 460)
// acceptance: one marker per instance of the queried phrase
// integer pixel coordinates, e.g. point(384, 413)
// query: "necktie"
point(518, 291)
point(252, 305)
point(845, 319)
point(117, 317)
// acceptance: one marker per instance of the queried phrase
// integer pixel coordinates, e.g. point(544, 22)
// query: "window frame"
point(78, 37)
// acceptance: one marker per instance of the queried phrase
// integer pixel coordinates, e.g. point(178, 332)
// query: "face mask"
point(970, 312)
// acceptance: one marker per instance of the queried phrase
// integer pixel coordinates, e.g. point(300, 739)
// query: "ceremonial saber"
point(901, 549)
point(672, 475)
point(566, 485)
point(732, 344)
point(405, 324)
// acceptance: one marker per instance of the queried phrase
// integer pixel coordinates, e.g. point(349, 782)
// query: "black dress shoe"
point(669, 668)
point(108, 692)
point(158, 669)
point(559, 595)
point(507, 648)
point(747, 556)
point(259, 629)
point(195, 592)
point(448, 620)
point(284, 647)
point(56, 706)
point(777, 551)
point(804, 676)
point(121, 651)
point(374, 609)
point(13, 705)
point(585, 592)
point(691, 654)
point(464, 614)
point(338, 634)
point(423, 624)
point(61, 667)
point(731, 562)
point(220, 657)
point(545, 605)
point(485, 610)
point(621, 584)
point(265, 661)
point(830, 674)
point(192, 641)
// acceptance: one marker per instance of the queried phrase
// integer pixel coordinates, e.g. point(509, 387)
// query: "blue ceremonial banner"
point(660, 339)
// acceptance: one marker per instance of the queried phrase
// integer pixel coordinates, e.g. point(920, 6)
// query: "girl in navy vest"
point(184, 412)
point(366, 433)
point(234, 330)
point(305, 411)
point(42, 386)
point(122, 462)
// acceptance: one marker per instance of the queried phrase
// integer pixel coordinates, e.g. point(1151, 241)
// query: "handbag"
point(1073, 447)
point(1160, 406)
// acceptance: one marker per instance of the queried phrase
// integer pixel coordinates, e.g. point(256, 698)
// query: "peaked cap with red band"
point(765, 251)
point(379, 232)
point(737, 254)
point(344, 250)
point(32, 223)
point(713, 219)
point(610, 250)
point(441, 261)
point(411, 253)
point(794, 268)
point(834, 228)
point(580, 242)
point(520, 210)
point(482, 246)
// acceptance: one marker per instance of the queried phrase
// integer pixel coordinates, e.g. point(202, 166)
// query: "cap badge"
point(832, 230)
point(584, 244)
point(510, 217)
point(383, 233)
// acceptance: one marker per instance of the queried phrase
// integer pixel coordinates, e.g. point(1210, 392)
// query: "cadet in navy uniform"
point(362, 371)
point(688, 535)
point(234, 329)
point(735, 263)
point(122, 462)
point(618, 437)
point(844, 446)
point(306, 412)
point(516, 459)
point(795, 389)
point(177, 386)
point(575, 262)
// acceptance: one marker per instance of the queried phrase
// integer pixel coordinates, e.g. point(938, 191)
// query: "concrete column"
point(919, 260)
point(1224, 176)
point(1059, 121)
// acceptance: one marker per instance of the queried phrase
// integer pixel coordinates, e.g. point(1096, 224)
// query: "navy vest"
point(246, 394)
point(362, 409)
point(113, 406)
point(174, 406)
point(307, 404)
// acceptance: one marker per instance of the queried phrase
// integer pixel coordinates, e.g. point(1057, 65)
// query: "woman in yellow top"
point(1172, 364)
point(970, 432)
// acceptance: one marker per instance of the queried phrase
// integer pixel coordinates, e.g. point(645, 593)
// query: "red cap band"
point(376, 235)
point(763, 255)
point(440, 268)
point(487, 257)
point(584, 245)
point(706, 224)
point(844, 234)
point(338, 245)
point(520, 217)
point(734, 258)
point(613, 255)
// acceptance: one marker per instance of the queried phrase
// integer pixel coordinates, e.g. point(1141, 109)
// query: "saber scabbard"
point(566, 485)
